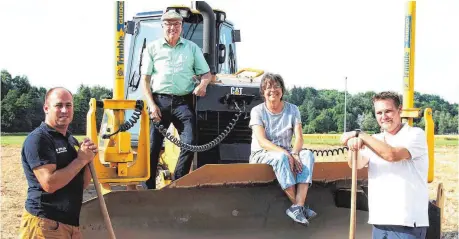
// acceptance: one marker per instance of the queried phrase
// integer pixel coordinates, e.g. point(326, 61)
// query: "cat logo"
point(236, 90)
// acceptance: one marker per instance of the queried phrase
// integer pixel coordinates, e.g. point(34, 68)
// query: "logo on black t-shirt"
point(61, 150)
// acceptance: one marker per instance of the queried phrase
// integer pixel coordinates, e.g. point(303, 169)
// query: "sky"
point(310, 43)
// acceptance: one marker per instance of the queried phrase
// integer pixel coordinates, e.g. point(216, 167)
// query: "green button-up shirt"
point(172, 68)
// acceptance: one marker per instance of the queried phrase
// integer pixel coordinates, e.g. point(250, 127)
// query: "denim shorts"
point(398, 232)
point(279, 162)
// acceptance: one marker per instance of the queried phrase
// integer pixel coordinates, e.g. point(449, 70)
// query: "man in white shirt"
point(397, 163)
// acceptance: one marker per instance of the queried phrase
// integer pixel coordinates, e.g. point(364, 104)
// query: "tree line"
point(322, 111)
point(22, 104)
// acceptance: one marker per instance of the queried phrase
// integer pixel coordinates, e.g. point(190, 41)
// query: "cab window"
point(226, 38)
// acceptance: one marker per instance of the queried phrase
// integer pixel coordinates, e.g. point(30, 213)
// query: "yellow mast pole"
point(409, 112)
point(408, 76)
point(118, 90)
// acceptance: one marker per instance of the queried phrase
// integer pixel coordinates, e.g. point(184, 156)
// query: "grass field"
point(14, 185)
point(333, 139)
point(309, 139)
point(17, 139)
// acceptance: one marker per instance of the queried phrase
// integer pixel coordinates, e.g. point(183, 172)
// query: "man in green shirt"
point(168, 67)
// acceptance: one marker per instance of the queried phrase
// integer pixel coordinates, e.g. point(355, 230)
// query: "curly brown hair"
point(271, 78)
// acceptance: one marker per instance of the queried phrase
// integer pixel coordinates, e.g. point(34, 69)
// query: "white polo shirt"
point(397, 191)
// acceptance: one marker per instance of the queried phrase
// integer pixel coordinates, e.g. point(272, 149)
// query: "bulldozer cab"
point(214, 112)
point(146, 27)
point(224, 196)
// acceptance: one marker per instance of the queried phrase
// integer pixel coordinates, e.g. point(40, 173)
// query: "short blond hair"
point(388, 95)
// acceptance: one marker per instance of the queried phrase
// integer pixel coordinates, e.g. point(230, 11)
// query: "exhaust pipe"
point(209, 23)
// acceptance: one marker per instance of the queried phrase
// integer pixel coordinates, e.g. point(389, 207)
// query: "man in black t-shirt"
point(57, 172)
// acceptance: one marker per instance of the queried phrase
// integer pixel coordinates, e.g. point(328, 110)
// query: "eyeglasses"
point(275, 87)
point(175, 24)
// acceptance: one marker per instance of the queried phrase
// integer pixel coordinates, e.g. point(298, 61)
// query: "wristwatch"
point(357, 132)
point(296, 154)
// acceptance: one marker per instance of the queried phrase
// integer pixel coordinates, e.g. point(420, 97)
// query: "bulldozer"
point(223, 196)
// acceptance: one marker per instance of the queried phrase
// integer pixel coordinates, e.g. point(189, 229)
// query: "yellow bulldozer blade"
point(213, 202)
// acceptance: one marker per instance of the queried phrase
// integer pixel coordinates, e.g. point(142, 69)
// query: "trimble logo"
point(120, 35)
point(120, 50)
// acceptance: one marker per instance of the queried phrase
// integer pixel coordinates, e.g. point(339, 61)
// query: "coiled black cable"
point(130, 123)
point(201, 148)
point(204, 147)
point(327, 151)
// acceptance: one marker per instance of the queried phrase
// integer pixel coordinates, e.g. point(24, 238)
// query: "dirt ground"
point(14, 188)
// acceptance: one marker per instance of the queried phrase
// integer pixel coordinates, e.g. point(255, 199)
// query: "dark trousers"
point(177, 110)
point(398, 232)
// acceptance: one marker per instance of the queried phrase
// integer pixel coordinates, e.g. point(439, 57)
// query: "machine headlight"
point(220, 16)
point(185, 13)
point(183, 10)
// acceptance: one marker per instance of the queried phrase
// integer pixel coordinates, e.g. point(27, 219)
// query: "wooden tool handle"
point(353, 195)
point(102, 205)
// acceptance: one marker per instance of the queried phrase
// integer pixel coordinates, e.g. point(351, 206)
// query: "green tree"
point(99, 92)
point(81, 107)
point(324, 122)
point(24, 105)
point(370, 124)
point(297, 95)
point(455, 125)
point(419, 122)
point(9, 111)
point(308, 112)
point(308, 129)
point(21, 84)
point(6, 83)
point(322, 111)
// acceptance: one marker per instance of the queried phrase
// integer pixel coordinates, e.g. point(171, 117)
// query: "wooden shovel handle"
point(353, 195)
point(103, 206)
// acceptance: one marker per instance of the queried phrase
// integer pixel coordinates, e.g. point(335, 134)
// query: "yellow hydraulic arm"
point(409, 112)
point(117, 161)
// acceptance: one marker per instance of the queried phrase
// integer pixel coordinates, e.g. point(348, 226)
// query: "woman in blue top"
point(273, 124)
